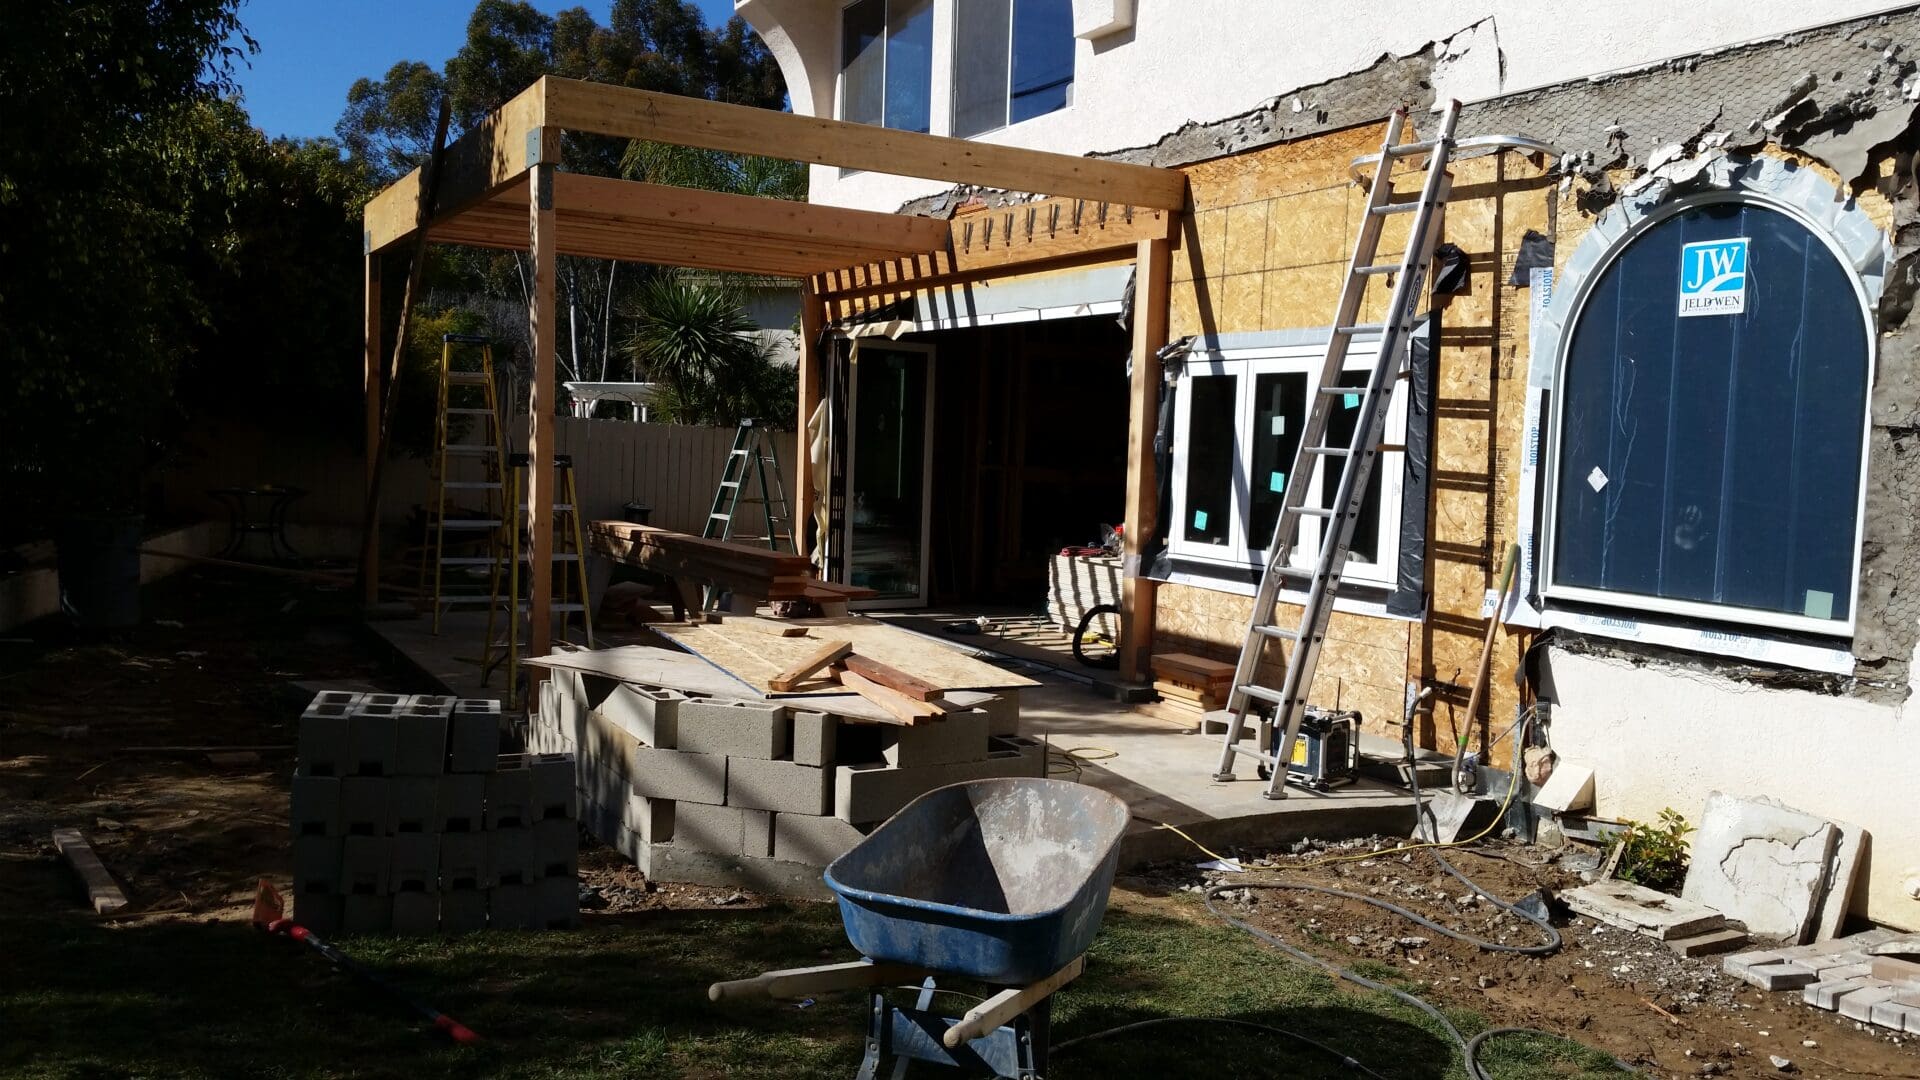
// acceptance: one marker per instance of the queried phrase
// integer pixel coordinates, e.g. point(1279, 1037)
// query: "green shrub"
point(1655, 855)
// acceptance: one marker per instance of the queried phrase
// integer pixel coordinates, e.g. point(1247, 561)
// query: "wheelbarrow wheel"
point(1099, 651)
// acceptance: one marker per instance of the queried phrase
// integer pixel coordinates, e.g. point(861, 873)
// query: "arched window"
point(1712, 417)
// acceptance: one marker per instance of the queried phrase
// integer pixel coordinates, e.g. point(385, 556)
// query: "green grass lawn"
point(625, 997)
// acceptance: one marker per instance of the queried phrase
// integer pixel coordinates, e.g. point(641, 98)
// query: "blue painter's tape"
point(1277, 481)
point(1351, 401)
point(1199, 519)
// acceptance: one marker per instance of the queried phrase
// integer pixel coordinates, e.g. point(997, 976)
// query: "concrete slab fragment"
point(1642, 910)
point(1760, 864)
point(1569, 788)
point(1848, 850)
point(1858, 1004)
point(1711, 943)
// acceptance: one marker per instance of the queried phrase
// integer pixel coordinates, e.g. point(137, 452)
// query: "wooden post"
point(1152, 267)
point(811, 320)
point(370, 384)
point(541, 491)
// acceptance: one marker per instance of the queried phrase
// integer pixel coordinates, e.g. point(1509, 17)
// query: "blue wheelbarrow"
point(999, 881)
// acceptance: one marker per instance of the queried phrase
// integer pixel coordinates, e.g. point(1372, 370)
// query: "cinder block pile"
point(754, 793)
point(407, 819)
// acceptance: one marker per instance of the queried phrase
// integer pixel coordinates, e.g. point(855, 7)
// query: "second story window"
point(886, 63)
point(1012, 61)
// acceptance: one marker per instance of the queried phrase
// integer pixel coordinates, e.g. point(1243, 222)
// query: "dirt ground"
point(1620, 992)
point(114, 737)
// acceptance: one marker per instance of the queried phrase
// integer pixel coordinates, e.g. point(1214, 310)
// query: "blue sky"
point(312, 50)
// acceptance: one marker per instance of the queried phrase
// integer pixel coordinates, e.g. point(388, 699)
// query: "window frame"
point(1006, 91)
point(1550, 589)
point(1304, 359)
point(840, 64)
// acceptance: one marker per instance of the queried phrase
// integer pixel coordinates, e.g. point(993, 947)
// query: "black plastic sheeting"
point(1409, 596)
point(1536, 253)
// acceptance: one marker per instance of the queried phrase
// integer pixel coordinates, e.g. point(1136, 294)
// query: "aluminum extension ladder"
point(1355, 461)
point(465, 392)
point(752, 453)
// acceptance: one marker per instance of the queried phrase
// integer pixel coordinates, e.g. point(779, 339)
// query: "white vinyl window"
point(1238, 418)
point(1012, 61)
point(886, 63)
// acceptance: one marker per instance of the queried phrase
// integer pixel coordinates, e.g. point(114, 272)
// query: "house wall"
point(1199, 60)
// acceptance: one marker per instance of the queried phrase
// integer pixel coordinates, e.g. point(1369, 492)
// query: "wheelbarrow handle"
point(806, 982)
point(990, 1014)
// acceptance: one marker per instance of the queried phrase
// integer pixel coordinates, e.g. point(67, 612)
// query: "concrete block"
point(366, 914)
point(372, 741)
point(415, 864)
point(756, 834)
point(737, 729)
point(959, 737)
point(1859, 1004)
point(363, 805)
point(390, 704)
point(1893, 969)
point(510, 794)
point(606, 745)
point(463, 911)
point(364, 865)
point(556, 847)
point(1779, 975)
point(603, 785)
point(1032, 755)
point(784, 787)
point(510, 907)
point(1003, 713)
point(430, 705)
point(1760, 864)
point(316, 866)
point(319, 912)
point(420, 743)
point(716, 829)
point(1893, 1015)
point(1642, 910)
point(461, 804)
point(413, 804)
point(600, 822)
point(416, 913)
point(553, 776)
point(465, 863)
point(336, 702)
point(671, 862)
point(316, 806)
point(676, 774)
point(1849, 849)
point(556, 903)
point(322, 742)
point(473, 738)
point(871, 793)
point(815, 841)
point(651, 820)
point(651, 716)
point(1711, 943)
point(815, 737)
point(1838, 972)
point(510, 854)
point(1826, 995)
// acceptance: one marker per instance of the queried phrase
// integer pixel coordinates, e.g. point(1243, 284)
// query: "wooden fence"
point(670, 468)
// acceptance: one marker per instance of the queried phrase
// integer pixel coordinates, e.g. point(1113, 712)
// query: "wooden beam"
point(686, 121)
point(810, 375)
point(542, 492)
point(103, 895)
point(904, 710)
point(1050, 229)
point(1151, 287)
point(892, 678)
point(494, 152)
point(826, 654)
point(693, 209)
point(371, 388)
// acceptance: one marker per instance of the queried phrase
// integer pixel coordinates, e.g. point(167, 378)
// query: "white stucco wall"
point(1659, 736)
point(1205, 60)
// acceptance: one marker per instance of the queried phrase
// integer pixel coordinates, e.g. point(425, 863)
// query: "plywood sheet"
point(755, 658)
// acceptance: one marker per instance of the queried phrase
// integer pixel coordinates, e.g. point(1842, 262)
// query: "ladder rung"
point(1260, 693)
point(1276, 632)
point(1361, 328)
point(1378, 268)
point(467, 378)
point(473, 485)
point(470, 412)
point(1313, 511)
point(524, 606)
point(729, 483)
point(470, 523)
point(1248, 751)
point(1326, 451)
point(467, 560)
point(1411, 148)
point(1391, 448)
point(464, 448)
point(720, 517)
point(1396, 208)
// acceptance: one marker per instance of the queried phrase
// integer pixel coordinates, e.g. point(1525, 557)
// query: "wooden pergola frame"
point(501, 186)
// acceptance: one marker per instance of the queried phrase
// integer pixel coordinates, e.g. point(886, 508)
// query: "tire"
point(1111, 659)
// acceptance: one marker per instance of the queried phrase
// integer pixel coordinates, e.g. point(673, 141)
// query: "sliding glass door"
point(890, 452)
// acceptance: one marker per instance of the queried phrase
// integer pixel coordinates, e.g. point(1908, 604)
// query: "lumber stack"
point(1191, 686)
point(743, 569)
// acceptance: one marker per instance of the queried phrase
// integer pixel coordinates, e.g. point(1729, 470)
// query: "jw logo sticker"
point(1713, 277)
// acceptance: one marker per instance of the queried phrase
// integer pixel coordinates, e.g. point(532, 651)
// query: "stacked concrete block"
point(406, 819)
point(755, 793)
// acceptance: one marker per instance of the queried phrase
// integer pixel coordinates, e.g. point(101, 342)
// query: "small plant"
point(1655, 855)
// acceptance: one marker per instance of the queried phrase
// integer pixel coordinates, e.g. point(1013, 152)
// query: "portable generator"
point(1327, 751)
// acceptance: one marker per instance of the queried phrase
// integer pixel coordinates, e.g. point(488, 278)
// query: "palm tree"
point(692, 336)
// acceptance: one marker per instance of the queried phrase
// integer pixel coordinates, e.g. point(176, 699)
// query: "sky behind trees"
point(311, 52)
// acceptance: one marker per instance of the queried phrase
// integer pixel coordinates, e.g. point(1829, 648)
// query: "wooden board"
point(102, 893)
point(756, 658)
point(807, 666)
point(901, 707)
point(1194, 668)
point(900, 682)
